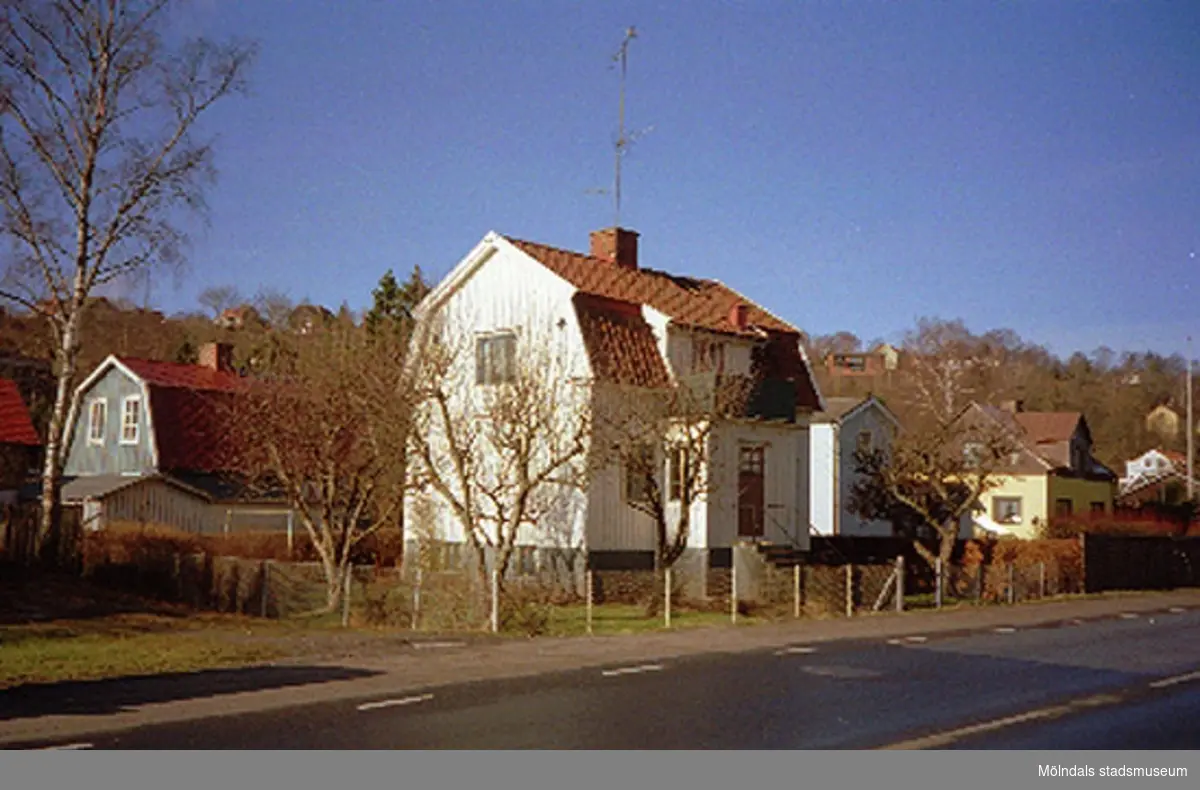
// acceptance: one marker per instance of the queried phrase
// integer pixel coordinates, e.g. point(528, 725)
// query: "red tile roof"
point(1048, 426)
point(705, 304)
point(620, 344)
point(15, 425)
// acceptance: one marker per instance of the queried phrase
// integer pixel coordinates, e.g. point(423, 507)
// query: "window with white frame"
point(678, 469)
point(1006, 510)
point(131, 416)
point(97, 417)
point(495, 358)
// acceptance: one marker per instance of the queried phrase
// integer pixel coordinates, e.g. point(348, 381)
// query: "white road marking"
point(431, 645)
point(795, 651)
point(1129, 615)
point(950, 736)
point(1005, 629)
point(917, 639)
point(609, 673)
point(69, 746)
point(1175, 681)
point(391, 703)
point(1177, 610)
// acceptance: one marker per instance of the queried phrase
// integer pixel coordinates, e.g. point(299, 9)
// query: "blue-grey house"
point(148, 443)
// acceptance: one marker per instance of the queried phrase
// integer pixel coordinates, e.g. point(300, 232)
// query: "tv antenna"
point(624, 139)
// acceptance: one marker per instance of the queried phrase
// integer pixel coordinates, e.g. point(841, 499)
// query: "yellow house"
point(1052, 473)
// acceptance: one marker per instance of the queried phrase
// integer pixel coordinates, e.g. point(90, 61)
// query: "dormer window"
point(97, 417)
point(708, 355)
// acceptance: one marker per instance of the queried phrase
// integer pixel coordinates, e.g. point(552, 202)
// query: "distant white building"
point(837, 433)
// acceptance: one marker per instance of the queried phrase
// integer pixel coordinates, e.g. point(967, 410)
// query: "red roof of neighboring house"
point(174, 374)
point(191, 412)
point(705, 304)
point(15, 425)
point(619, 342)
point(1048, 426)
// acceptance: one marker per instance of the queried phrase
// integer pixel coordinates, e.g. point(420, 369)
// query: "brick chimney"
point(217, 356)
point(739, 316)
point(616, 245)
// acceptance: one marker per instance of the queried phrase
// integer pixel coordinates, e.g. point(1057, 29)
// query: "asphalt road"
point(1114, 683)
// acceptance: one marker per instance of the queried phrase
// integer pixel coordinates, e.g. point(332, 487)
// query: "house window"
point(863, 442)
point(131, 415)
point(639, 473)
point(677, 473)
point(97, 417)
point(495, 358)
point(1006, 509)
point(708, 356)
point(972, 455)
point(1098, 508)
point(1062, 507)
point(855, 363)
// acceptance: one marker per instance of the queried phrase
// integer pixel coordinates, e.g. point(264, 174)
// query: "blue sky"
point(1031, 165)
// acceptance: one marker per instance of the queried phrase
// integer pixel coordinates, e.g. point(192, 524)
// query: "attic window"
point(495, 358)
point(97, 417)
point(131, 417)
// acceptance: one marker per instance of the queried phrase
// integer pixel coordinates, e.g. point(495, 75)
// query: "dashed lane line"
point(609, 673)
point(392, 703)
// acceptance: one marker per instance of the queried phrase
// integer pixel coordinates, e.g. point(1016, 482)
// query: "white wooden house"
point(608, 319)
point(838, 433)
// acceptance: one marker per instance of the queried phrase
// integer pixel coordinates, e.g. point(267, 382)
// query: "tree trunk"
point(49, 529)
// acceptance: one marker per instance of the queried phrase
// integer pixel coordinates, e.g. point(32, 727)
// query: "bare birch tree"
point(323, 427)
point(504, 448)
point(98, 163)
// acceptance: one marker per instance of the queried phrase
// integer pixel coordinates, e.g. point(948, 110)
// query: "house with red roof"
point(1051, 473)
point(19, 442)
point(620, 322)
point(148, 447)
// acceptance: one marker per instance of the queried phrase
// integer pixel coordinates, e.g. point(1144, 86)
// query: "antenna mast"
point(622, 141)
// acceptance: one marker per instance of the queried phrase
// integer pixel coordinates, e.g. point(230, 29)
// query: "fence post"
point(796, 591)
point(587, 579)
point(416, 613)
point(733, 597)
point(1012, 584)
point(346, 596)
point(1042, 579)
point(849, 590)
point(495, 601)
point(900, 583)
point(937, 595)
point(179, 580)
point(266, 583)
point(667, 598)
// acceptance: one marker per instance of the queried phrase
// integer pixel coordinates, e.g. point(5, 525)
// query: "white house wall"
point(509, 292)
point(784, 519)
point(865, 419)
point(823, 478)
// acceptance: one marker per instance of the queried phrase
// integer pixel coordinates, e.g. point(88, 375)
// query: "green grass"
point(629, 619)
point(123, 646)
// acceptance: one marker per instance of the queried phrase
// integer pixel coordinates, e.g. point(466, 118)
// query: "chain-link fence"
point(446, 598)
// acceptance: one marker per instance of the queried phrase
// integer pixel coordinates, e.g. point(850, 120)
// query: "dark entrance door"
point(751, 462)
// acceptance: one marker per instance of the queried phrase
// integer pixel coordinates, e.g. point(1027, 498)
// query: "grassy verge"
point(628, 619)
point(125, 645)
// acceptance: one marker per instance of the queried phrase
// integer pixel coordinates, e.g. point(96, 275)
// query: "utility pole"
point(1191, 431)
point(622, 140)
